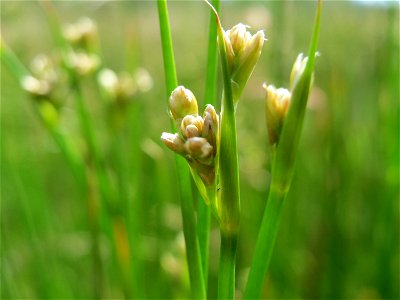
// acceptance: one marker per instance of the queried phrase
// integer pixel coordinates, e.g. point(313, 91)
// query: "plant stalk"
point(228, 204)
point(265, 243)
point(282, 170)
point(226, 276)
point(187, 206)
point(210, 94)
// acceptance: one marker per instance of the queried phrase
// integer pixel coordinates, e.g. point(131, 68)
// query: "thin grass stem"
point(282, 171)
point(229, 202)
point(187, 206)
point(210, 95)
point(265, 243)
point(227, 262)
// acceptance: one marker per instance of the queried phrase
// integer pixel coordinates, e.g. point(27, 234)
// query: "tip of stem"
point(215, 12)
point(315, 36)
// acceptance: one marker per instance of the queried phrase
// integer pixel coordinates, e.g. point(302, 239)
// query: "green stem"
point(210, 93)
point(282, 171)
point(203, 210)
point(85, 119)
point(11, 61)
point(187, 206)
point(75, 162)
point(226, 277)
point(203, 233)
point(93, 200)
point(265, 243)
point(228, 205)
point(167, 49)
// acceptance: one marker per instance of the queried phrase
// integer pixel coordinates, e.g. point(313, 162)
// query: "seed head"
point(35, 87)
point(197, 141)
point(182, 102)
point(108, 81)
point(82, 63)
point(42, 67)
point(277, 104)
point(191, 126)
point(81, 33)
point(243, 51)
point(200, 149)
point(211, 125)
point(143, 80)
point(238, 37)
point(173, 142)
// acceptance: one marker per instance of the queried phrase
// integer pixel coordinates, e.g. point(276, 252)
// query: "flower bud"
point(247, 61)
point(200, 149)
point(43, 68)
point(82, 63)
point(173, 142)
point(191, 126)
point(82, 33)
point(117, 87)
point(143, 80)
point(182, 102)
point(243, 51)
point(277, 104)
point(36, 87)
point(127, 86)
point(238, 37)
point(211, 123)
point(108, 81)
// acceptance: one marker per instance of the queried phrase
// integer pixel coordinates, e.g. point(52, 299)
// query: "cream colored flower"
point(276, 106)
point(182, 102)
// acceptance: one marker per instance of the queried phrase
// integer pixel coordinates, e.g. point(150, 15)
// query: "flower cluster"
point(277, 101)
point(198, 137)
point(276, 107)
point(243, 51)
point(45, 81)
point(82, 33)
point(82, 63)
point(82, 38)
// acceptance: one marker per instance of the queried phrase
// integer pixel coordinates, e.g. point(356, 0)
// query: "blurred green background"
point(339, 235)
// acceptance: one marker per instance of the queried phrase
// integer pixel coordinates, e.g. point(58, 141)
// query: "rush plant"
point(209, 145)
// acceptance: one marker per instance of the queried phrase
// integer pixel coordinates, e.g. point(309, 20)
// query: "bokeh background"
point(339, 235)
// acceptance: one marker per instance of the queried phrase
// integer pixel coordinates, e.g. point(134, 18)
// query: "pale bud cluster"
point(81, 33)
point(82, 39)
point(43, 79)
point(119, 87)
point(277, 101)
point(182, 102)
point(82, 63)
point(243, 51)
point(123, 86)
point(198, 137)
